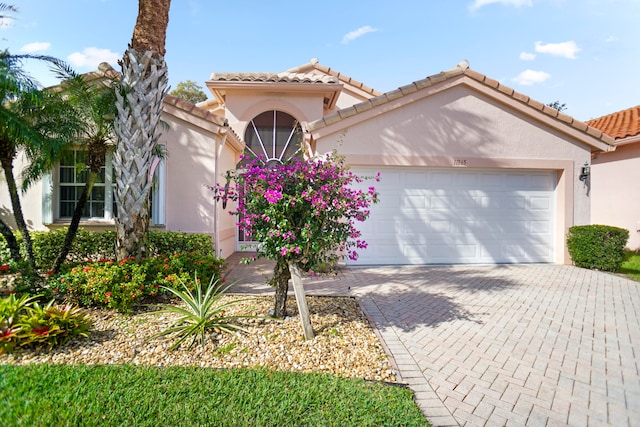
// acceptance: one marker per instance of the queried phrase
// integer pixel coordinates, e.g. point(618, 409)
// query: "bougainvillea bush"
point(302, 211)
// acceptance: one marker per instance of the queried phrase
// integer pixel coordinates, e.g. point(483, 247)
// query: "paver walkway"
point(521, 345)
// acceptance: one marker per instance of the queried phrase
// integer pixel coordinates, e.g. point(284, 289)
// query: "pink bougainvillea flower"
point(273, 196)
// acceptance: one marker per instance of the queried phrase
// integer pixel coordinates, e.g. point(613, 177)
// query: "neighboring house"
point(616, 175)
point(471, 171)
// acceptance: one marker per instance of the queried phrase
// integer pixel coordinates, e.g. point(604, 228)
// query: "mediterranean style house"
point(471, 170)
point(616, 175)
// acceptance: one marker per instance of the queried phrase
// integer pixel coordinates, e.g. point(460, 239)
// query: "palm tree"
point(94, 104)
point(34, 122)
point(141, 93)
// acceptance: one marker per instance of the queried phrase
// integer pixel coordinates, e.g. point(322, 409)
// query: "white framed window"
point(63, 187)
point(72, 173)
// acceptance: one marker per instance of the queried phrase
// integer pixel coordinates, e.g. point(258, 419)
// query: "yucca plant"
point(202, 310)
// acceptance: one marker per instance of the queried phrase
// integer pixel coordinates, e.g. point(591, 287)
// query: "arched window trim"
point(272, 146)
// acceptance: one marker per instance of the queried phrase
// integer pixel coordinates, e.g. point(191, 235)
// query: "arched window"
point(274, 135)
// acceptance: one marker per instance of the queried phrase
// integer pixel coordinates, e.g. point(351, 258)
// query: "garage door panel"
point(460, 216)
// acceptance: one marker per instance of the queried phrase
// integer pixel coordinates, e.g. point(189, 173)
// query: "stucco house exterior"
point(471, 170)
point(615, 199)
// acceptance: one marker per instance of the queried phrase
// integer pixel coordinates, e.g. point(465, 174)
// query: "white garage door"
point(451, 216)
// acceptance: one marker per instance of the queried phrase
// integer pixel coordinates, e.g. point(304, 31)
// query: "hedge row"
point(100, 245)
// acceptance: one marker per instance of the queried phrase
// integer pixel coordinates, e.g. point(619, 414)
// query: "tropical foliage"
point(35, 122)
point(24, 322)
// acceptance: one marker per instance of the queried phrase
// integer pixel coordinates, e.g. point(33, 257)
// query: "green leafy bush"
point(597, 247)
point(24, 322)
point(96, 245)
point(170, 242)
point(121, 285)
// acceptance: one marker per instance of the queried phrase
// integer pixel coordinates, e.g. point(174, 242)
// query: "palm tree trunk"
point(7, 166)
point(75, 222)
point(142, 90)
point(12, 243)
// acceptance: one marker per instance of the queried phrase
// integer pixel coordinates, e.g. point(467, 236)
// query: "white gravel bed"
point(345, 343)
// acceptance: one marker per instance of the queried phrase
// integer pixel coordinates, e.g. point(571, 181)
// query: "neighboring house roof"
point(620, 125)
point(602, 141)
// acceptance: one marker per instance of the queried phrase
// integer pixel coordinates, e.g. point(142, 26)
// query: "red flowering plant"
point(127, 283)
point(302, 211)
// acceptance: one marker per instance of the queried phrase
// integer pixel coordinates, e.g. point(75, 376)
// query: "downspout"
point(216, 232)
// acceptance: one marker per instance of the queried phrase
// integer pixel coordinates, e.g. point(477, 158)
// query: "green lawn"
point(631, 265)
point(46, 395)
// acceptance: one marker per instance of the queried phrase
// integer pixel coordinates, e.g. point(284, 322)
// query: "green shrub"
point(597, 247)
point(121, 285)
point(170, 242)
point(24, 322)
point(96, 245)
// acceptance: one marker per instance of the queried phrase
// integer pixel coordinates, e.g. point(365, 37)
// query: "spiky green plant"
point(202, 310)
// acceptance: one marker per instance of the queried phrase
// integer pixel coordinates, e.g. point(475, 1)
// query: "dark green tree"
point(189, 91)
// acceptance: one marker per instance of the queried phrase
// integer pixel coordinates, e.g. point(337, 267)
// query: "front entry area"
point(454, 216)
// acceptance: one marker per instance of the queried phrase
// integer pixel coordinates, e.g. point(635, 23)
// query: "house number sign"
point(459, 162)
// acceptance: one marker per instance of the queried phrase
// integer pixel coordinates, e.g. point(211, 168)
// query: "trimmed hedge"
point(597, 247)
point(100, 245)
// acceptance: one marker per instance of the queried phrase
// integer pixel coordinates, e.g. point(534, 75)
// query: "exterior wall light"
point(585, 173)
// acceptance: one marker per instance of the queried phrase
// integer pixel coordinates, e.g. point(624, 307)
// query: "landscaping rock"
point(345, 344)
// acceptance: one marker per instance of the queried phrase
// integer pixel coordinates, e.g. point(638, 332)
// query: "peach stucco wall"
point(614, 176)
point(190, 167)
point(463, 124)
point(31, 201)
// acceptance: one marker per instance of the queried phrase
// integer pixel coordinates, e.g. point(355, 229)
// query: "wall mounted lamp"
point(585, 172)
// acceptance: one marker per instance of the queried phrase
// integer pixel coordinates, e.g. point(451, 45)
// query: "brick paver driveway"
point(522, 345)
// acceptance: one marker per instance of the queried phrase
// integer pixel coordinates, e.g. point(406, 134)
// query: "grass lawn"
point(124, 395)
point(631, 265)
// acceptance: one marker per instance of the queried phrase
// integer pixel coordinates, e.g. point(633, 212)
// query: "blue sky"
point(585, 53)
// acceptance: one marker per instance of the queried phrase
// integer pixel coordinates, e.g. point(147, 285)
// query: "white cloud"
point(92, 57)
point(526, 56)
point(35, 47)
point(531, 77)
point(477, 4)
point(611, 39)
point(358, 33)
point(565, 49)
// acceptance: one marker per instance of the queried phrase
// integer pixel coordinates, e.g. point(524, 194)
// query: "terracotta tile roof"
point(194, 110)
point(315, 65)
point(462, 69)
point(620, 125)
point(284, 77)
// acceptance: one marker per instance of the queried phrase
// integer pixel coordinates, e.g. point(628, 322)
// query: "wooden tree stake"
point(301, 300)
